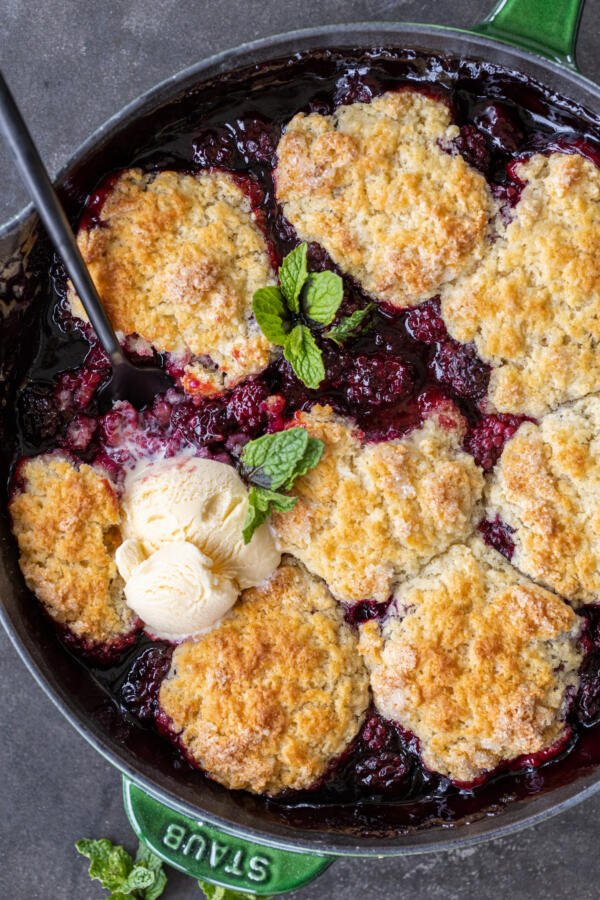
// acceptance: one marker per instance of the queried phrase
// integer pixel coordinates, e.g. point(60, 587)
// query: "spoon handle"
point(51, 213)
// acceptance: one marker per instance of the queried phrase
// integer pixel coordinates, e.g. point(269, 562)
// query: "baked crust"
point(477, 661)
point(269, 698)
point(372, 184)
point(66, 521)
point(533, 305)
point(546, 486)
point(177, 259)
point(370, 514)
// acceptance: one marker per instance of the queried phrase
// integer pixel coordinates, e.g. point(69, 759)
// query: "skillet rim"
point(517, 815)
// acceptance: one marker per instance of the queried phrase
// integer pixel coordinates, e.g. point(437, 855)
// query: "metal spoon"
point(137, 384)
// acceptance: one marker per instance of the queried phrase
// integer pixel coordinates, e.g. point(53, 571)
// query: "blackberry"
point(486, 439)
point(458, 366)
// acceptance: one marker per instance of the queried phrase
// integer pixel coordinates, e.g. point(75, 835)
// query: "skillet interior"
point(147, 758)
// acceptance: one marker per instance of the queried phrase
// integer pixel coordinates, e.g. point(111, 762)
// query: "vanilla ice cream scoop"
point(176, 593)
point(183, 557)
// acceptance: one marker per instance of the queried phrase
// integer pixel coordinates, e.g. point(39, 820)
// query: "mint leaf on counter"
point(323, 295)
point(302, 353)
point(109, 863)
point(154, 864)
point(138, 880)
point(271, 314)
point(215, 892)
point(293, 273)
point(351, 326)
point(113, 867)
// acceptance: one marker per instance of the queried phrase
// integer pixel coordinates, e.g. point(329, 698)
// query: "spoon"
point(137, 384)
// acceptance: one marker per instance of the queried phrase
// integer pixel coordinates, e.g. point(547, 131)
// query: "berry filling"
point(389, 379)
point(486, 438)
point(139, 688)
point(497, 534)
point(365, 610)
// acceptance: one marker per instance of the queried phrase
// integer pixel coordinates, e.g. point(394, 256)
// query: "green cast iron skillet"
point(217, 835)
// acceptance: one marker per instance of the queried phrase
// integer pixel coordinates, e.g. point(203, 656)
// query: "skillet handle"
point(547, 27)
point(208, 854)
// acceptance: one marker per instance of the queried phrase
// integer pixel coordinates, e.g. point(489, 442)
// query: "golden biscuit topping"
point(372, 184)
point(66, 521)
point(533, 304)
point(369, 514)
point(546, 487)
point(177, 259)
point(269, 698)
point(478, 662)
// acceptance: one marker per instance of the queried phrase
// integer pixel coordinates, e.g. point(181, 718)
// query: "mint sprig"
point(359, 322)
point(275, 461)
point(261, 503)
point(285, 314)
point(293, 273)
point(272, 314)
point(113, 867)
point(324, 293)
point(301, 351)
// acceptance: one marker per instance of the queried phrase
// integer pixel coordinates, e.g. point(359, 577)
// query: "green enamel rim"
point(546, 27)
point(208, 854)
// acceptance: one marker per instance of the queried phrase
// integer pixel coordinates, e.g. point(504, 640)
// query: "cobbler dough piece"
point(66, 521)
point(372, 184)
point(177, 259)
point(269, 698)
point(477, 661)
point(368, 515)
point(533, 305)
point(546, 486)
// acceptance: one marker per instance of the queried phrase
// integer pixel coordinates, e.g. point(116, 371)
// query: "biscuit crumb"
point(546, 487)
point(370, 514)
point(176, 260)
point(66, 521)
point(268, 699)
point(373, 185)
point(477, 661)
point(532, 307)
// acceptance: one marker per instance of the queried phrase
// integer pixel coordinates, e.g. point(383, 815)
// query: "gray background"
point(73, 64)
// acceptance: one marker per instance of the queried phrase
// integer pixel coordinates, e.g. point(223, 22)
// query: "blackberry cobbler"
point(350, 562)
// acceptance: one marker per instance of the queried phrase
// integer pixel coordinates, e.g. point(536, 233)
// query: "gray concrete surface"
point(72, 63)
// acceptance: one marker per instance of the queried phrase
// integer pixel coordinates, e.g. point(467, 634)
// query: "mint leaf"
point(261, 503)
point(301, 351)
point(312, 456)
point(323, 296)
point(271, 314)
point(153, 863)
point(271, 460)
point(138, 879)
point(109, 863)
point(351, 326)
point(216, 892)
point(293, 273)
point(275, 460)
point(256, 515)
point(275, 501)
